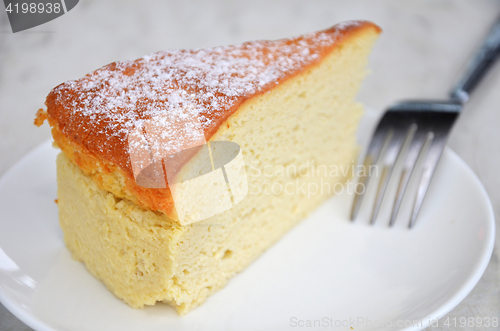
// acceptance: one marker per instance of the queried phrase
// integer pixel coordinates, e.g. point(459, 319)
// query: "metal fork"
point(420, 123)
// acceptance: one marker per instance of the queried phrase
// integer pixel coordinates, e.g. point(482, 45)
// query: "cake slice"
point(180, 168)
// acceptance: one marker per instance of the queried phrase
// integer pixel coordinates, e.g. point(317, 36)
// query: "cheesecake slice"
point(180, 168)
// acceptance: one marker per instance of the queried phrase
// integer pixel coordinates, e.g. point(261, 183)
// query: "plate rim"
point(484, 261)
point(36, 323)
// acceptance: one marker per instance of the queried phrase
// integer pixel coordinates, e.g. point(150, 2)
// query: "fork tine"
point(433, 155)
point(378, 141)
point(391, 155)
point(414, 151)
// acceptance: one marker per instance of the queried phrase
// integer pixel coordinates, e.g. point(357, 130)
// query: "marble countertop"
point(424, 46)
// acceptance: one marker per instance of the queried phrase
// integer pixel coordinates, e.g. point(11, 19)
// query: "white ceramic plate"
point(326, 269)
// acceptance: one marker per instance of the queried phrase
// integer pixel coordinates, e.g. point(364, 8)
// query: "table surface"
point(424, 46)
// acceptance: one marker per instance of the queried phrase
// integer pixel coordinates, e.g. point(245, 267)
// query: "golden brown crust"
point(40, 117)
point(107, 175)
point(97, 143)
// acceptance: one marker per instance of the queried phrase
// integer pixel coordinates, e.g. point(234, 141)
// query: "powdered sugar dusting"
point(207, 83)
point(349, 24)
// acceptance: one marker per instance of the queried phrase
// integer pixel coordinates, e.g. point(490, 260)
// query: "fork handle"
point(479, 65)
